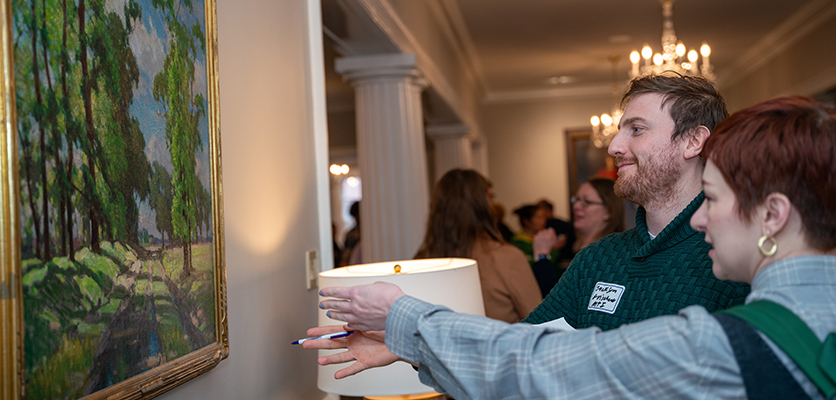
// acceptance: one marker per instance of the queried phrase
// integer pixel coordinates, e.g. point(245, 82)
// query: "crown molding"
point(382, 13)
point(457, 34)
point(393, 27)
point(589, 91)
point(448, 131)
point(796, 27)
point(814, 84)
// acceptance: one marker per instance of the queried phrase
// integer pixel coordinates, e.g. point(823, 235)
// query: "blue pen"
point(328, 336)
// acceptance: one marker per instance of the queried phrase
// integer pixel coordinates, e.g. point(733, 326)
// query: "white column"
point(452, 146)
point(479, 148)
point(390, 149)
point(336, 203)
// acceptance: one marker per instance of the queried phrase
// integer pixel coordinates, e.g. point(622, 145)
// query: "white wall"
point(527, 155)
point(270, 204)
point(805, 65)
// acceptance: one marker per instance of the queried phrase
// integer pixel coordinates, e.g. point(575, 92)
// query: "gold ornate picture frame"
point(112, 271)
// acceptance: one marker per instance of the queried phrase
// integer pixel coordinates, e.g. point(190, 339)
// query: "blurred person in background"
point(461, 224)
point(499, 217)
point(560, 227)
point(597, 211)
point(351, 244)
point(546, 264)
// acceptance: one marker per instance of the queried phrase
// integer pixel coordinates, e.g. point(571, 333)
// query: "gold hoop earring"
point(771, 251)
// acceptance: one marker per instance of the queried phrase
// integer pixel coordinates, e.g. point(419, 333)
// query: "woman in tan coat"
point(460, 225)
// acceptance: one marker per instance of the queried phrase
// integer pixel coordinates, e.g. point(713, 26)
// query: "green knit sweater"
point(627, 277)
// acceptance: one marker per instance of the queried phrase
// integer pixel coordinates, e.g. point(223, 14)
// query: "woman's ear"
point(695, 141)
point(776, 212)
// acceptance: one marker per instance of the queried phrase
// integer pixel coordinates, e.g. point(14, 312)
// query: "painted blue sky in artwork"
point(149, 42)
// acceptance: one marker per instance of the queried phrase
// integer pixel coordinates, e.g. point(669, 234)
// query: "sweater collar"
point(675, 232)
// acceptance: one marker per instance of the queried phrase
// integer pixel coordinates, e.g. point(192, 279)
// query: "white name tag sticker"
point(605, 297)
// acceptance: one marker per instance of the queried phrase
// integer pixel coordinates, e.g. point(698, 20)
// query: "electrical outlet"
point(311, 268)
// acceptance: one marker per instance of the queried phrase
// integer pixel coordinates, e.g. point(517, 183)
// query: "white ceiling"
point(521, 44)
point(517, 48)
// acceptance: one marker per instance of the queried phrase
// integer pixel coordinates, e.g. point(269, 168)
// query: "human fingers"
point(545, 235)
point(337, 358)
point(324, 330)
point(543, 243)
point(331, 304)
point(337, 292)
point(367, 307)
point(354, 321)
point(350, 370)
point(325, 344)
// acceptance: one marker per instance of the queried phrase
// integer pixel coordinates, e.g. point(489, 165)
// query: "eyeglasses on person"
point(584, 202)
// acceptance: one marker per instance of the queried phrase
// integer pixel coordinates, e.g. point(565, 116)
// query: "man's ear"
point(775, 213)
point(694, 142)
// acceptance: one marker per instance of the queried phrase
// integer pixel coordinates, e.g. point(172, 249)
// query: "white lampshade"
point(452, 282)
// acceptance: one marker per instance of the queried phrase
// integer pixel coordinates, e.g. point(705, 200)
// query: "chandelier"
point(606, 126)
point(674, 57)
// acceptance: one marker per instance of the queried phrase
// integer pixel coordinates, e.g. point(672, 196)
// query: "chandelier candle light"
point(673, 56)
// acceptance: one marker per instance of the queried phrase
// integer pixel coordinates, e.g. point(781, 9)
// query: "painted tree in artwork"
point(34, 125)
point(88, 140)
point(82, 152)
point(204, 210)
point(174, 88)
point(161, 200)
point(47, 93)
point(67, 105)
point(125, 169)
point(118, 172)
point(27, 119)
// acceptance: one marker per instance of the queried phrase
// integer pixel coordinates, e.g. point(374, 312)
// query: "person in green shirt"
point(661, 265)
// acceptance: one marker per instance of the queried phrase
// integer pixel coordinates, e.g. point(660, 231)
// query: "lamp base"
point(417, 396)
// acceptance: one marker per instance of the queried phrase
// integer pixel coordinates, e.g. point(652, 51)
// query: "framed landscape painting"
point(112, 279)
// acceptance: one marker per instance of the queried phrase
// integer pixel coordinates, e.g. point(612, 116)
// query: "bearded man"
point(661, 265)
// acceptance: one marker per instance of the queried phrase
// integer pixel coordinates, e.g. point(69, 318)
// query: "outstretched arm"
point(363, 307)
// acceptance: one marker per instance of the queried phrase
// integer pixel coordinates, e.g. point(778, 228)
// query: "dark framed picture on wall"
point(586, 160)
point(113, 275)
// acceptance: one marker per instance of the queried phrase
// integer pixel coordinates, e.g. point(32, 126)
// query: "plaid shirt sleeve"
point(469, 357)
